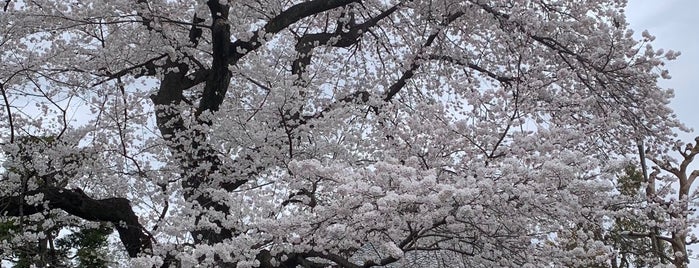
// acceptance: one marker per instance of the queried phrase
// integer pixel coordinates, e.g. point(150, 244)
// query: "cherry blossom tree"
point(327, 132)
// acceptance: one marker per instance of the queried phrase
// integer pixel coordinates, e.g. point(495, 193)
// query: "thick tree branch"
point(287, 17)
point(219, 77)
point(117, 211)
point(169, 94)
point(226, 53)
point(308, 42)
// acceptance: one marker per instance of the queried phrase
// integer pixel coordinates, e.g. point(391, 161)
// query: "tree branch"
point(240, 48)
point(148, 68)
point(507, 80)
point(308, 42)
point(226, 53)
point(219, 77)
point(410, 72)
point(117, 211)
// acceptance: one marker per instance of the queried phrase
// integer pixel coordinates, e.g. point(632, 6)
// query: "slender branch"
point(398, 85)
point(9, 110)
point(149, 66)
point(503, 79)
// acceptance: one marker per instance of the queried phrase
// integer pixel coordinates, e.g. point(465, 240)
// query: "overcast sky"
point(675, 23)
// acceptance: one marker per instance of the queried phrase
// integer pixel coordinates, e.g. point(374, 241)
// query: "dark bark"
point(117, 211)
point(219, 77)
point(170, 94)
point(287, 17)
point(347, 37)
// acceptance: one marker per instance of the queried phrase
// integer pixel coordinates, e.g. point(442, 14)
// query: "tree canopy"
point(337, 132)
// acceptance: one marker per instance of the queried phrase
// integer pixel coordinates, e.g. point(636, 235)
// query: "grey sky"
point(675, 23)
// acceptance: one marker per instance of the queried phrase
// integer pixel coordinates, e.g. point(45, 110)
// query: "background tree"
point(332, 132)
point(670, 201)
point(632, 251)
point(651, 227)
point(90, 245)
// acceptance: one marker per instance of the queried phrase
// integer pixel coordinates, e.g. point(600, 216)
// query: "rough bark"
point(117, 211)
